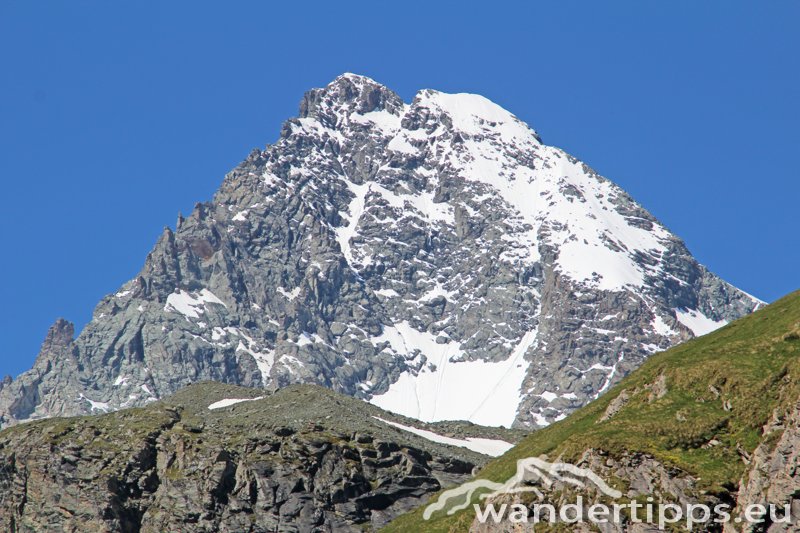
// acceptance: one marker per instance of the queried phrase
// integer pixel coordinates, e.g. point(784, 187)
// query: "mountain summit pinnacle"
point(348, 94)
point(434, 258)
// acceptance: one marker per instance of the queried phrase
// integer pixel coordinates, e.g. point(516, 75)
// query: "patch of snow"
point(540, 420)
point(289, 295)
point(264, 360)
point(97, 406)
point(306, 338)
point(697, 322)
point(356, 209)
point(401, 144)
point(483, 392)
point(434, 211)
point(473, 114)
point(270, 178)
point(661, 327)
point(127, 403)
point(287, 360)
point(436, 291)
point(651, 348)
point(227, 402)
point(611, 374)
point(548, 396)
point(384, 120)
point(191, 305)
point(421, 202)
point(387, 293)
point(491, 447)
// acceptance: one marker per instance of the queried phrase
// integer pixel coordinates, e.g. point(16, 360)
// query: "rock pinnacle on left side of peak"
point(346, 94)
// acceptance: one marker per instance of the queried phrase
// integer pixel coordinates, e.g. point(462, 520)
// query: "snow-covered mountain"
point(434, 258)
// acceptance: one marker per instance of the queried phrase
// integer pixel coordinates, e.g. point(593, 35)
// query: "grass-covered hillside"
point(699, 407)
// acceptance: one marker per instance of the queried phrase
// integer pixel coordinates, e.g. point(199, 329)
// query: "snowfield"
point(491, 447)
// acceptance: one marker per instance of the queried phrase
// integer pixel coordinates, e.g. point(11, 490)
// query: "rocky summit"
point(219, 458)
point(435, 258)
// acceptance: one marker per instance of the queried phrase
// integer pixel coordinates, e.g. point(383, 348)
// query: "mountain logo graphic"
point(531, 471)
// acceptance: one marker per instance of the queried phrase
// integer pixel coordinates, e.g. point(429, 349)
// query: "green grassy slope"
point(723, 386)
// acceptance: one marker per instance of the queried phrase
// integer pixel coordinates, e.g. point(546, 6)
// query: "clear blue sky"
point(114, 116)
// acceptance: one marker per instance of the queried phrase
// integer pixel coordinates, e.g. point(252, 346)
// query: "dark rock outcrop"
point(304, 459)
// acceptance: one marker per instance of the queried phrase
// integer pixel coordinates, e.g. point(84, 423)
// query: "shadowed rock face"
point(282, 463)
point(435, 258)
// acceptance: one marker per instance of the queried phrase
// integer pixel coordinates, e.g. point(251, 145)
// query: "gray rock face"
point(773, 477)
point(641, 475)
point(435, 258)
point(275, 464)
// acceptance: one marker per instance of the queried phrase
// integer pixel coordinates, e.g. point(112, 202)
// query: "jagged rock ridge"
point(195, 463)
point(435, 258)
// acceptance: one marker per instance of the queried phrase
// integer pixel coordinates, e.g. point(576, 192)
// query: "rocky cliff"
point(773, 476)
point(433, 257)
point(219, 458)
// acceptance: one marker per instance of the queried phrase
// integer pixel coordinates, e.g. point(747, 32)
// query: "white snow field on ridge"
point(491, 447)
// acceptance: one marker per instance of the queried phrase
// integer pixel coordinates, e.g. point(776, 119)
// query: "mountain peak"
point(348, 93)
point(357, 79)
point(434, 258)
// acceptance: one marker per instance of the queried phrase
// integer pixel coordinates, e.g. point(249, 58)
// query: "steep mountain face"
point(219, 458)
point(435, 258)
point(714, 421)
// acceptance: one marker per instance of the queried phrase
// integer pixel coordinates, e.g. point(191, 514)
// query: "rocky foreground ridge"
point(304, 459)
point(435, 258)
